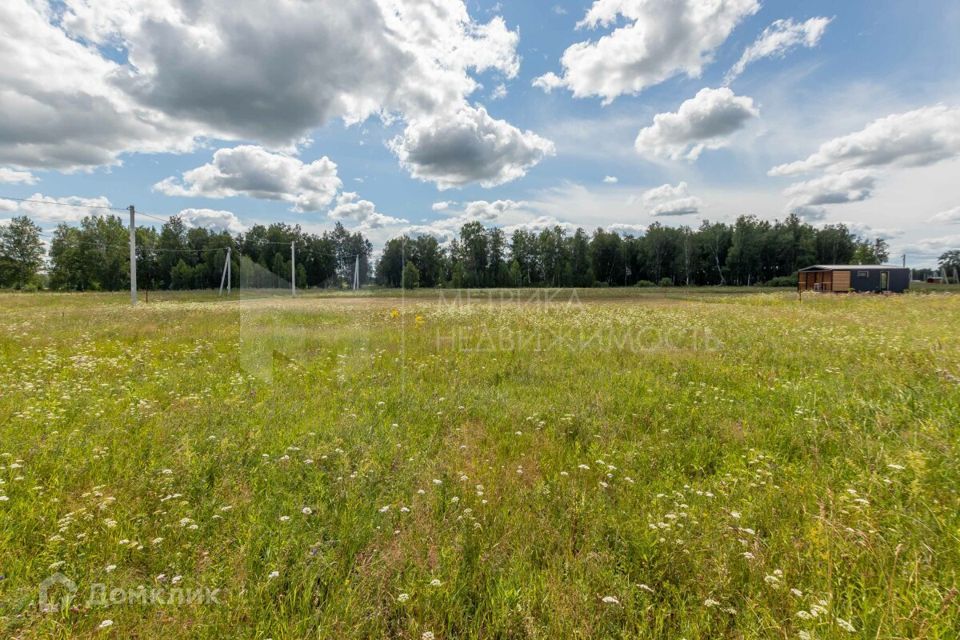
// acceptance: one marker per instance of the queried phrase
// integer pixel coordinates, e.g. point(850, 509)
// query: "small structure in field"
point(845, 278)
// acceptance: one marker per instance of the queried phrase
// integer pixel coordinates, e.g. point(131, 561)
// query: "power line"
point(63, 204)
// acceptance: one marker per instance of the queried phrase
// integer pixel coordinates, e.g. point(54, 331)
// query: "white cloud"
point(611, 180)
point(668, 200)
point(468, 146)
point(227, 69)
point(868, 231)
point(928, 249)
point(810, 214)
point(350, 207)
point(64, 209)
point(779, 38)
point(213, 219)
point(10, 176)
point(852, 186)
point(916, 138)
point(540, 223)
point(950, 216)
point(705, 121)
point(486, 212)
point(257, 173)
point(499, 92)
point(661, 39)
point(627, 229)
point(442, 205)
point(58, 106)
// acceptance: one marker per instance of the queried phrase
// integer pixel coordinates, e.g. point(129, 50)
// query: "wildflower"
point(306, 511)
point(105, 624)
point(385, 508)
point(273, 574)
point(156, 541)
point(748, 555)
point(110, 568)
point(403, 597)
point(735, 515)
point(797, 592)
point(404, 509)
point(896, 467)
point(427, 635)
point(610, 600)
point(437, 481)
point(284, 518)
point(585, 467)
point(710, 602)
point(645, 587)
point(4, 498)
point(435, 582)
point(846, 626)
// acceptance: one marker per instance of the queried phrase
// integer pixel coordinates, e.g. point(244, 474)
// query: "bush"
point(665, 282)
point(644, 283)
point(782, 281)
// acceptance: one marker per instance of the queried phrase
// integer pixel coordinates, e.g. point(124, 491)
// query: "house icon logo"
point(57, 584)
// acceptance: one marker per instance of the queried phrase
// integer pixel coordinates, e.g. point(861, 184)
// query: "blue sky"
point(373, 112)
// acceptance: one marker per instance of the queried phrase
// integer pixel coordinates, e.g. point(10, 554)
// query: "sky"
point(416, 116)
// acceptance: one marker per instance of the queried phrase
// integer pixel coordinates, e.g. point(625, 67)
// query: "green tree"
point(950, 261)
point(411, 276)
point(21, 252)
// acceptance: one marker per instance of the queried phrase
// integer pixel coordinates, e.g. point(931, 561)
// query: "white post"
point(293, 270)
point(356, 273)
point(229, 270)
point(133, 257)
point(223, 276)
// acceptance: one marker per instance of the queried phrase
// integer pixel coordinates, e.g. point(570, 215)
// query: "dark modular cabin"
point(844, 278)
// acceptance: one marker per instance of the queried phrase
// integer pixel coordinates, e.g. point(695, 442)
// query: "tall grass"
point(588, 466)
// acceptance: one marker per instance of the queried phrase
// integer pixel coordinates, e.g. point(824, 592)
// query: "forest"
point(94, 256)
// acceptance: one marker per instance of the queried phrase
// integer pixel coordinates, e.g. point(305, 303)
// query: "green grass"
point(724, 465)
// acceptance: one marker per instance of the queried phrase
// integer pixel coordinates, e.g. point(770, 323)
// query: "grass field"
point(602, 464)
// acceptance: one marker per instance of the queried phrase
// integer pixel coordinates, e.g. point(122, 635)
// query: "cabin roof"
point(852, 267)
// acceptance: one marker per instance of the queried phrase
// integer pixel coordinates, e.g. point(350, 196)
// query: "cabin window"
point(863, 274)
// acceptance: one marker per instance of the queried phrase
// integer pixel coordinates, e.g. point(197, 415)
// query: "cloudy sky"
point(416, 116)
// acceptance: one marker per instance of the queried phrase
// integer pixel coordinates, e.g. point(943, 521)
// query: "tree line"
point(95, 256)
point(749, 251)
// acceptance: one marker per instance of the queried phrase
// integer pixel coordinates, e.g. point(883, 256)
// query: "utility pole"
point(229, 269)
point(226, 270)
point(293, 269)
point(356, 273)
point(133, 257)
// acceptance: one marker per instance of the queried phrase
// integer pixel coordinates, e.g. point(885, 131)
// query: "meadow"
point(507, 464)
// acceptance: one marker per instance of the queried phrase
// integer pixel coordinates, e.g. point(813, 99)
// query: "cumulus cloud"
point(929, 248)
point(257, 173)
point(227, 69)
point(611, 179)
point(11, 176)
point(467, 146)
point(58, 106)
point(913, 139)
point(668, 200)
point(363, 212)
point(273, 71)
point(705, 121)
point(810, 214)
point(661, 39)
point(950, 216)
point(63, 209)
point(540, 223)
point(778, 39)
point(213, 219)
point(442, 205)
point(852, 186)
point(486, 212)
point(625, 229)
